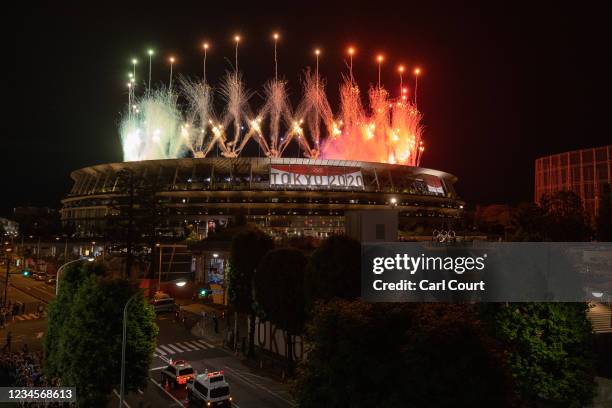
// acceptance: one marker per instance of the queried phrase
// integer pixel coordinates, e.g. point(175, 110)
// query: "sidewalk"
point(198, 318)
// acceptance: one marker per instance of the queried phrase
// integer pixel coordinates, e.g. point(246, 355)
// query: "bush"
point(416, 355)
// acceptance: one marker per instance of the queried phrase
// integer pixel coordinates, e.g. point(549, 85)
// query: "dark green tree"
point(549, 350)
point(559, 217)
point(549, 346)
point(83, 342)
point(529, 223)
point(59, 312)
point(400, 355)
point(565, 218)
point(247, 249)
point(279, 291)
point(334, 270)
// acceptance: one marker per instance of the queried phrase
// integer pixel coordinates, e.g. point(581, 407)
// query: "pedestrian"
point(2, 319)
point(22, 308)
point(230, 338)
point(40, 310)
point(215, 323)
point(15, 310)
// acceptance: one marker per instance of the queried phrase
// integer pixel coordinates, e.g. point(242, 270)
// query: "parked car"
point(40, 276)
point(164, 305)
point(51, 280)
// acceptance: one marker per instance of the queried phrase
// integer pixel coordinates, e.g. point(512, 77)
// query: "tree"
point(558, 217)
point(135, 215)
point(247, 249)
point(400, 355)
point(548, 350)
point(83, 347)
point(528, 221)
point(58, 314)
point(279, 291)
point(566, 220)
point(334, 270)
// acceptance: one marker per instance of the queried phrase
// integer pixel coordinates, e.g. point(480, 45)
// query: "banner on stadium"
point(315, 176)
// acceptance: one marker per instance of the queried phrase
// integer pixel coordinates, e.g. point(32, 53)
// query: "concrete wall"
point(372, 226)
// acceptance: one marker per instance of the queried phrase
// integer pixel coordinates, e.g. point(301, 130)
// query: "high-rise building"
point(586, 172)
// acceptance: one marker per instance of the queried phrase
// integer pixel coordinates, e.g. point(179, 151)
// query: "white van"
point(210, 389)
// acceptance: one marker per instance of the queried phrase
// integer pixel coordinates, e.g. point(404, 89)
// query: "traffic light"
point(203, 292)
point(25, 273)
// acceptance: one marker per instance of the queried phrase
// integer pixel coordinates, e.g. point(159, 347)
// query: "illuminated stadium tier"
point(586, 172)
point(285, 196)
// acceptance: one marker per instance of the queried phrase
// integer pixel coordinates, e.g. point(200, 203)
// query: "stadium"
point(284, 196)
point(196, 144)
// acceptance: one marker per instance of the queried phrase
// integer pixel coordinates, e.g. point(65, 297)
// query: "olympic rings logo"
point(444, 236)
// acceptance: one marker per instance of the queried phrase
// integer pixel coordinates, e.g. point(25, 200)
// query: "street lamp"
point(123, 341)
point(600, 295)
point(179, 283)
point(160, 266)
point(61, 268)
point(8, 268)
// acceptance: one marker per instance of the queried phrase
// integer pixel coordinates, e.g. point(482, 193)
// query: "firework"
point(388, 129)
point(151, 129)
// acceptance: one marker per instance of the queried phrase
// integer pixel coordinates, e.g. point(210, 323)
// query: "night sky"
point(501, 85)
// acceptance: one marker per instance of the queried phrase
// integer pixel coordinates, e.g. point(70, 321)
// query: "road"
point(34, 290)
point(28, 332)
point(248, 389)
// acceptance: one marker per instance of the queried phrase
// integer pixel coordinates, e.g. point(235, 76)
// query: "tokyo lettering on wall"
point(315, 177)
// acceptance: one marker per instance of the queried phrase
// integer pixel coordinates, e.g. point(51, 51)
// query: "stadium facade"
point(586, 172)
point(284, 196)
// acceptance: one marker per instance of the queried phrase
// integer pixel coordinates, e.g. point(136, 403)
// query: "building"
point(289, 198)
point(284, 196)
point(372, 225)
point(586, 172)
point(11, 228)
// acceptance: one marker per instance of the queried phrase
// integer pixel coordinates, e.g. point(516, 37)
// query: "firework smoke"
point(277, 108)
point(152, 129)
point(199, 97)
point(387, 130)
point(392, 133)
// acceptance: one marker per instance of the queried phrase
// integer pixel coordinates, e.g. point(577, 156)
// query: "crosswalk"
point(29, 316)
point(181, 347)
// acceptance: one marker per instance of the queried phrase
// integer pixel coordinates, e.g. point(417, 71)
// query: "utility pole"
point(160, 267)
point(21, 255)
point(37, 253)
point(6, 280)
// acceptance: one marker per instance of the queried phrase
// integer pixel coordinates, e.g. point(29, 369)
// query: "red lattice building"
point(585, 172)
